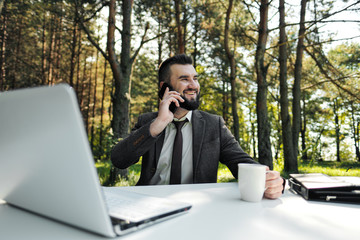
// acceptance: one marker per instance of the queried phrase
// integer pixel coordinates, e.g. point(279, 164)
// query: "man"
point(206, 139)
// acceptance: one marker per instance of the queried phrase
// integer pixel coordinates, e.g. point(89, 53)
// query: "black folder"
point(321, 187)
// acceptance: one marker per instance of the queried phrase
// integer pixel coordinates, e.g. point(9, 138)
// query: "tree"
point(232, 63)
point(337, 129)
point(355, 128)
point(290, 162)
point(264, 145)
point(179, 33)
point(75, 32)
point(3, 34)
point(296, 108)
point(121, 66)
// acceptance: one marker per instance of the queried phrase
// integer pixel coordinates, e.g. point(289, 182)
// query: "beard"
point(190, 104)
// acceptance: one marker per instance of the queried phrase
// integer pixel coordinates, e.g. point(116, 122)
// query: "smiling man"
point(192, 153)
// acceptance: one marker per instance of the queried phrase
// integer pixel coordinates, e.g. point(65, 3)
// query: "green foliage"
point(346, 56)
point(211, 98)
point(144, 88)
point(103, 169)
point(224, 174)
point(102, 151)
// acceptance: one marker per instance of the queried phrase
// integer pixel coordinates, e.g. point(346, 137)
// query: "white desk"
point(217, 213)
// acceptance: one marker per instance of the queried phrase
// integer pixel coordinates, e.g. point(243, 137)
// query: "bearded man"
point(192, 153)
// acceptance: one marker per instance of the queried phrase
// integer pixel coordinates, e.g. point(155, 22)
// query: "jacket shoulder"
point(207, 116)
point(147, 117)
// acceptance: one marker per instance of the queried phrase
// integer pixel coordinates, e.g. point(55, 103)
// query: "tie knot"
point(179, 124)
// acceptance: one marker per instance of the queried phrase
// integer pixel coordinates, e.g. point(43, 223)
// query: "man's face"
point(184, 80)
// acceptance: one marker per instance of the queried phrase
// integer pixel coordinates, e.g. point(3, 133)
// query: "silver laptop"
point(46, 167)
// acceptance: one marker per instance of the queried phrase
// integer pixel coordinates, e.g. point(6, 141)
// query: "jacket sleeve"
point(231, 154)
point(129, 150)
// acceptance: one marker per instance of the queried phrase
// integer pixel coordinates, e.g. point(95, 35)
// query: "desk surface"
point(217, 213)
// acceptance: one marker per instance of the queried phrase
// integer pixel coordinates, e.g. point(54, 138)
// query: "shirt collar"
point(188, 116)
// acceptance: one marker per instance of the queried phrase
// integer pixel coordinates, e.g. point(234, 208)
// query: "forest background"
point(284, 75)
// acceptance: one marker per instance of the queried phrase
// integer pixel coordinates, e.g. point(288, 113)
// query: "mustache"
point(191, 89)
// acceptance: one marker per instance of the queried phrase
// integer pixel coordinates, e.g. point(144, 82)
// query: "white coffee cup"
point(251, 180)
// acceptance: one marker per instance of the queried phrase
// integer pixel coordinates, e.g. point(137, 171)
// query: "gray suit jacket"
point(212, 142)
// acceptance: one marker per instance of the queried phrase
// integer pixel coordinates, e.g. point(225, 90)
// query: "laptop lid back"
point(46, 162)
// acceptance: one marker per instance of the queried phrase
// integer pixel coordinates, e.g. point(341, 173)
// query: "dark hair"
point(164, 68)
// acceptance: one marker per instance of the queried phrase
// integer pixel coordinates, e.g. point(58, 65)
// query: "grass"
point(224, 174)
point(103, 169)
point(329, 168)
point(332, 168)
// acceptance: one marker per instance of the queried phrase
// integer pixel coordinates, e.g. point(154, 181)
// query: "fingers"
point(172, 96)
point(165, 115)
point(271, 175)
point(274, 185)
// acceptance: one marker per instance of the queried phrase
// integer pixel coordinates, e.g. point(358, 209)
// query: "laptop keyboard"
point(135, 207)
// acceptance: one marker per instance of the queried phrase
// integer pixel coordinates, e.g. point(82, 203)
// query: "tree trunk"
point(73, 47)
point(231, 59)
point(77, 56)
point(184, 23)
point(264, 145)
point(88, 90)
point(180, 39)
point(18, 55)
point(126, 68)
point(196, 30)
point(290, 161)
point(102, 109)
point(3, 46)
point(337, 130)
point(304, 155)
point(253, 131)
point(82, 82)
point(94, 101)
point(121, 73)
point(43, 56)
point(297, 80)
point(225, 102)
point(120, 121)
point(160, 39)
point(50, 61)
point(355, 130)
point(59, 37)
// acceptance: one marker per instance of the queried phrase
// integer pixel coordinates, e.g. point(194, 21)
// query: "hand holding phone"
point(164, 117)
point(172, 106)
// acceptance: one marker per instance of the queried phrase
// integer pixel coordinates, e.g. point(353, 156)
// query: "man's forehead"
point(182, 69)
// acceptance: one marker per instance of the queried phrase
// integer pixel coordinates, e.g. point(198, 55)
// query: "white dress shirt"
point(162, 174)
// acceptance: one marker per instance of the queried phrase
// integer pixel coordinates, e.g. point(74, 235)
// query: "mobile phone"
point(172, 106)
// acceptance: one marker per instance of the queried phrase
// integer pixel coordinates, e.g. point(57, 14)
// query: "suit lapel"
point(198, 128)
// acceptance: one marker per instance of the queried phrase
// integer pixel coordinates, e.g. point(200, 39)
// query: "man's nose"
point(193, 83)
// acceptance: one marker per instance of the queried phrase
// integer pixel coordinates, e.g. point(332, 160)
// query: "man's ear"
point(161, 84)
